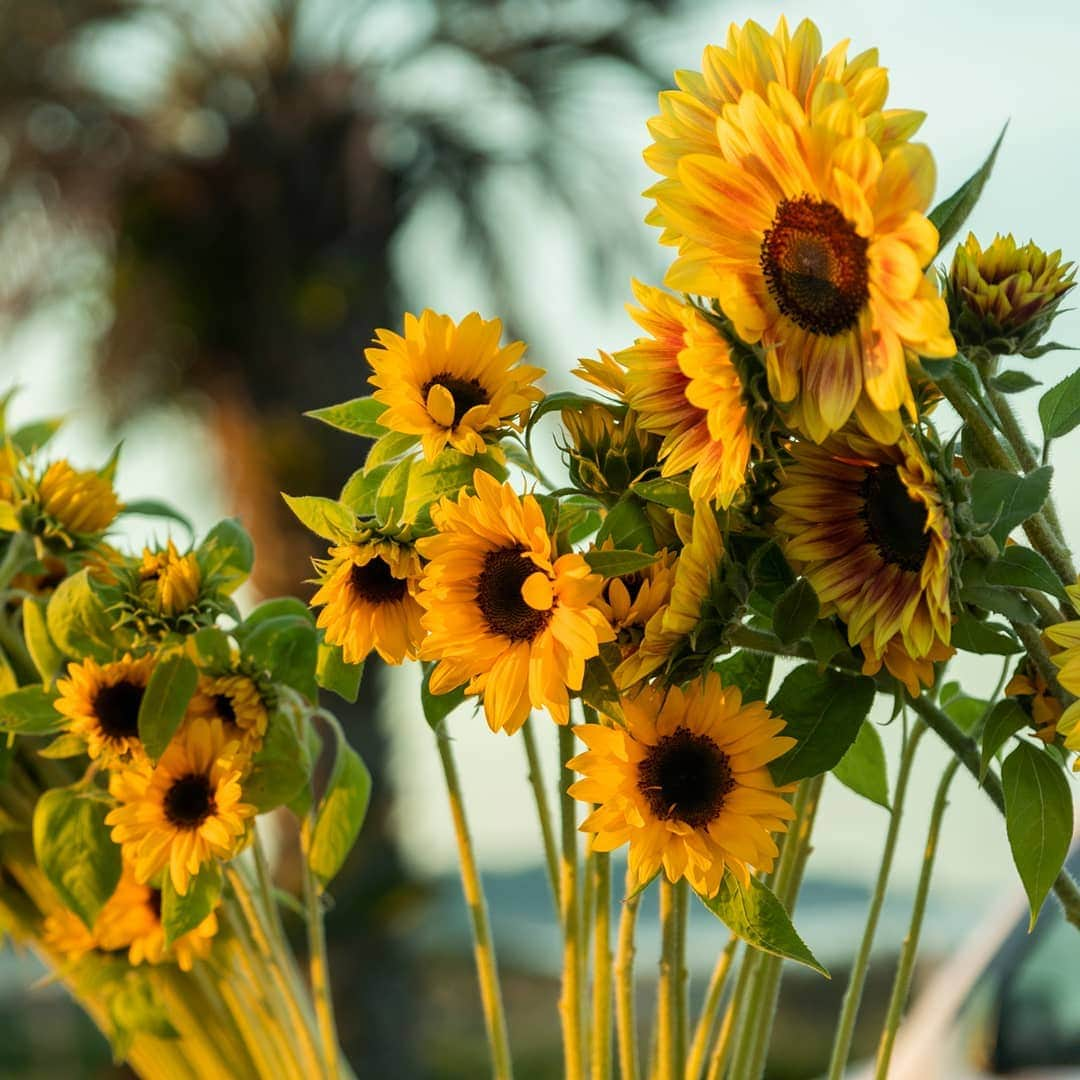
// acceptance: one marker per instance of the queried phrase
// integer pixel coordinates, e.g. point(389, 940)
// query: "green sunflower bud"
point(606, 452)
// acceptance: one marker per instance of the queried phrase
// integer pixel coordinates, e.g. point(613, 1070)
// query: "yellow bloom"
point(1065, 637)
point(502, 612)
point(184, 812)
point(79, 502)
point(368, 597)
point(102, 702)
point(64, 932)
point(683, 384)
point(235, 701)
point(866, 526)
point(812, 236)
point(131, 919)
point(1036, 699)
point(449, 383)
point(8, 465)
point(605, 374)
point(171, 581)
point(630, 601)
point(685, 784)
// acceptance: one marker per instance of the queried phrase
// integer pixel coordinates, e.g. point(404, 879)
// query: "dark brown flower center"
point(895, 522)
point(498, 593)
point(223, 708)
point(686, 777)
point(189, 801)
point(375, 583)
point(815, 266)
point(117, 709)
point(153, 902)
point(466, 393)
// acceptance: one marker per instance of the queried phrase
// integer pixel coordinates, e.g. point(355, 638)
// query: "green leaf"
point(390, 498)
point(824, 711)
point(628, 526)
point(63, 747)
point(227, 553)
point(1023, 568)
point(795, 612)
point(1006, 719)
point(275, 609)
point(771, 576)
point(749, 671)
point(1001, 600)
point(598, 689)
point(30, 710)
point(1059, 407)
point(135, 1007)
point(333, 674)
point(827, 640)
point(564, 400)
point(282, 766)
point(362, 488)
point(340, 813)
point(437, 707)
point(447, 475)
point(286, 649)
point(73, 849)
point(77, 620)
point(1013, 382)
point(1038, 819)
point(389, 446)
point(974, 635)
point(156, 508)
point(324, 517)
point(1006, 499)
point(862, 768)
point(46, 656)
point(210, 648)
point(35, 435)
point(171, 684)
point(665, 492)
point(358, 417)
point(950, 214)
point(758, 917)
point(965, 711)
point(181, 914)
point(615, 562)
point(958, 367)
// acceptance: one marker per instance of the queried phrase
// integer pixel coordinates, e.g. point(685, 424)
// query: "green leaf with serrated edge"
point(615, 563)
point(627, 525)
point(758, 917)
point(340, 813)
point(1059, 407)
point(360, 416)
point(73, 850)
point(950, 214)
point(447, 475)
point(388, 447)
point(30, 710)
point(965, 712)
point(973, 635)
point(1006, 499)
point(1038, 819)
point(64, 746)
point(862, 768)
point(1001, 601)
point(823, 711)
point(827, 640)
point(333, 674)
point(362, 488)
point(324, 517)
point(390, 499)
point(282, 766)
point(227, 553)
point(564, 400)
point(665, 492)
point(181, 914)
point(795, 612)
point(77, 620)
point(749, 671)
point(1013, 382)
point(164, 702)
point(46, 656)
point(156, 508)
point(1023, 568)
point(35, 435)
point(1005, 720)
point(437, 707)
point(286, 649)
point(211, 650)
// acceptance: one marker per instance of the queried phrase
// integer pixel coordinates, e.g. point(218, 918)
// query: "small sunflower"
point(368, 598)
point(1065, 637)
point(681, 381)
point(866, 525)
point(813, 238)
point(64, 932)
point(131, 919)
point(630, 601)
point(502, 612)
point(184, 812)
point(79, 503)
point(235, 701)
point(102, 702)
point(451, 383)
point(685, 783)
point(170, 582)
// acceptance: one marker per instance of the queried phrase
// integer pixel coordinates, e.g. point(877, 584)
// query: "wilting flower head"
point(451, 384)
point(1036, 698)
point(685, 783)
point(170, 582)
point(605, 452)
point(1004, 299)
point(78, 503)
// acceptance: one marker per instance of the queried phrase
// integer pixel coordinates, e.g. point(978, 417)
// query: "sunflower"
point(64, 932)
point(1065, 638)
point(696, 575)
point(77, 502)
point(866, 525)
point(813, 238)
point(131, 919)
point(681, 381)
point(1036, 698)
point(185, 811)
point(368, 598)
point(685, 783)
point(170, 582)
point(102, 702)
point(502, 612)
point(630, 601)
point(235, 701)
point(449, 383)
point(605, 374)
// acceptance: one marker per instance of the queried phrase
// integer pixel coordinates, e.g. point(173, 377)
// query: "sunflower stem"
point(710, 1009)
point(667, 990)
point(20, 546)
point(483, 944)
point(625, 1011)
point(682, 976)
point(853, 994)
point(543, 811)
point(724, 1044)
point(570, 999)
point(909, 950)
point(602, 990)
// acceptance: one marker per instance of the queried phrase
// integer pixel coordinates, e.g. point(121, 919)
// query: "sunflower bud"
point(170, 582)
point(606, 452)
point(1004, 299)
point(77, 502)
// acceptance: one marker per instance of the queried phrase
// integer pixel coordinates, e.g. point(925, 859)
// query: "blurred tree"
point(231, 176)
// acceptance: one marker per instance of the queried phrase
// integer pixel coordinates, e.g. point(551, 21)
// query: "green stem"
point(317, 961)
point(543, 811)
point(902, 981)
point(667, 987)
point(682, 976)
point(602, 995)
point(853, 994)
point(625, 1011)
point(570, 999)
point(19, 548)
point(703, 1031)
point(483, 944)
point(725, 1038)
